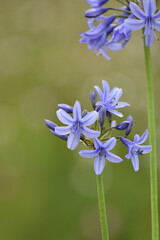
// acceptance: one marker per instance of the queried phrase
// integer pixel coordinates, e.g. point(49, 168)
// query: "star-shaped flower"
point(147, 19)
point(135, 149)
point(109, 99)
point(101, 152)
point(76, 125)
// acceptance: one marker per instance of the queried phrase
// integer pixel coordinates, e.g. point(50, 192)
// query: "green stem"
point(102, 208)
point(152, 134)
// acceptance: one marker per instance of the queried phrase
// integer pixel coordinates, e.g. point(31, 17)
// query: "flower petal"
point(115, 94)
point(122, 104)
point(113, 158)
point(145, 149)
point(157, 25)
point(77, 111)
point(97, 143)
point(89, 119)
point(109, 144)
point(88, 153)
point(73, 140)
point(135, 162)
point(115, 112)
point(137, 12)
point(99, 164)
point(157, 16)
point(106, 88)
point(143, 137)
point(133, 24)
point(128, 156)
point(89, 132)
point(63, 130)
point(136, 138)
point(99, 92)
point(126, 142)
point(64, 117)
point(103, 51)
point(149, 7)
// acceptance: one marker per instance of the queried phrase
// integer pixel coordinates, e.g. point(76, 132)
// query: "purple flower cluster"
point(95, 129)
point(114, 31)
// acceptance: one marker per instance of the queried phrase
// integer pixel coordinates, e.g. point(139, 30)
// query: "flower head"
point(100, 153)
point(109, 99)
point(76, 125)
point(147, 19)
point(135, 149)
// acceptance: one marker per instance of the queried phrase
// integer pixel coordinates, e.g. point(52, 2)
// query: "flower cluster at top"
point(97, 129)
point(114, 31)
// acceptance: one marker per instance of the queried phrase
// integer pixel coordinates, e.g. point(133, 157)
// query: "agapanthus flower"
point(135, 149)
point(147, 19)
point(96, 37)
point(76, 125)
point(114, 35)
point(109, 99)
point(100, 153)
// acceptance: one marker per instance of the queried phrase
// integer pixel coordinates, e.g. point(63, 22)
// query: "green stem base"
point(102, 208)
point(152, 134)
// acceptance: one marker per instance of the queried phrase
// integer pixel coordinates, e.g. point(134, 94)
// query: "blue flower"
point(121, 34)
point(135, 149)
point(147, 19)
point(51, 126)
point(101, 152)
point(96, 37)
point(109, 99)
point(76, 125)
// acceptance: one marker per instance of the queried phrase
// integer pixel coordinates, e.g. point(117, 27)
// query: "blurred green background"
point(47, 191)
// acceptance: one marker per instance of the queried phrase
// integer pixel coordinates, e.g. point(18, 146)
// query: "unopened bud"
point(113, 124)
point(102, 115)
point(65, 107)
point(122, 126)
point(129, 128)
point(84, 113)
point(95, 12)
point(93, 98)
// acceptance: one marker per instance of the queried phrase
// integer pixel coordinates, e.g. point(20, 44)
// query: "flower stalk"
point(153, 158)
point(102, 207)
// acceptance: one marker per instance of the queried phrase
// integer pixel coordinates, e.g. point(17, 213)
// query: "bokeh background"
point(47, 191)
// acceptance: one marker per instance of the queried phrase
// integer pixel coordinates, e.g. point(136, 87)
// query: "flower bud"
point(130, 125)
point(93, 98)
point(102, 115)
point(113, 124)
point(95, 12)
point(65, 107)
point(84, 113)
point(96, 3)
point(122, 125)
